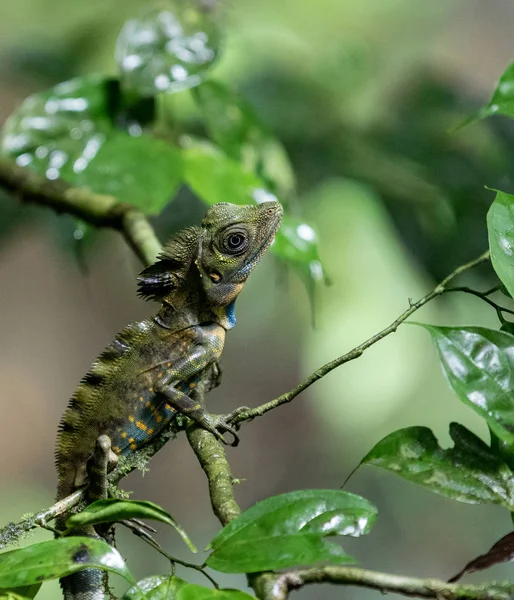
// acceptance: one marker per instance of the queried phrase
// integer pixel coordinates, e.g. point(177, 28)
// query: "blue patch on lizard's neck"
point(230, 312)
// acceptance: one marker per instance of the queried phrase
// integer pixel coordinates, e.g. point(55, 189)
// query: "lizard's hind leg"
point(102, 461)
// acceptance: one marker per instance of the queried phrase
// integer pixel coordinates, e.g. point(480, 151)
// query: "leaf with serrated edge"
point(468, 472)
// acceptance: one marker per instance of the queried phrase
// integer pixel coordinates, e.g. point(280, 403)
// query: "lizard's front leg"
point(193, 408)
point(196, 363)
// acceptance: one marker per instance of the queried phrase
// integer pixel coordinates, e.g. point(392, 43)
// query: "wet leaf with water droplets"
point(469, 472)
point(500, 227)
point(79, 131)
point(289, 530)
point(57, 558)
point(59, 131)
point(168, 48)
point(479, 366)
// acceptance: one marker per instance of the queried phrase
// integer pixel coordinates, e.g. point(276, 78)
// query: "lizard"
point(164, 364)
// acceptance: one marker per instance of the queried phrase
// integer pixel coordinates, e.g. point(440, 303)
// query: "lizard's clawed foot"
point(235, 413)
point(220, 424)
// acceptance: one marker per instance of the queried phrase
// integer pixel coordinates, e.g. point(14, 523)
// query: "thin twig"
point(483, 296)
point(200, 568)
point(358, 350)
point(12, 532)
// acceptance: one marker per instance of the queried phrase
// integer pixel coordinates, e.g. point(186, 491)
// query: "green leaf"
point(192, 591)
point(502, 102)
point(167, 48)
point(214, 177)
point(500, 227)
point(235, 126)
point(57, 558)
point(81, 131)
point(288, 530)
point(142, 171)
point(25, 591)
point(162, 587)
point(468, 472)
point(156, 587)
point(111, 509)
point(479, 366)
point(296, 243)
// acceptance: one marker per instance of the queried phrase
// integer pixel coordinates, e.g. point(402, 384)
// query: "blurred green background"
point(363, 95)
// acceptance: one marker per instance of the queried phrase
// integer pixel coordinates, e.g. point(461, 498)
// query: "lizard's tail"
point(89, 584)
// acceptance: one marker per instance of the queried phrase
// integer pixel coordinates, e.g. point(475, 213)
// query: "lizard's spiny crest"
point(169, 272)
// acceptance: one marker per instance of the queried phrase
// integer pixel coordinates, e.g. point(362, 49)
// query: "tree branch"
point(384, 582)
point(358, 350)
point(213, 460)
point(12, 532)
point(97, 209)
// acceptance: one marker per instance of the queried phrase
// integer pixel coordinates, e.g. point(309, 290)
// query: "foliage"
point(120, 137)
point(478, 364)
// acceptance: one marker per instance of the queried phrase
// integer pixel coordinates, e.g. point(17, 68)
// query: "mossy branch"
point(384, 582)
point(97, 209)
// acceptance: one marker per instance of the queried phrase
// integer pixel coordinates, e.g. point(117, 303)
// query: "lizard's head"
point(234, 239)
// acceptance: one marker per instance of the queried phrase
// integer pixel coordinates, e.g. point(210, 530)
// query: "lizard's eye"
point(236, 241)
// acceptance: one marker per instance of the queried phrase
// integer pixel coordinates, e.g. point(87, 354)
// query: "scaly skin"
point(163, 364)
